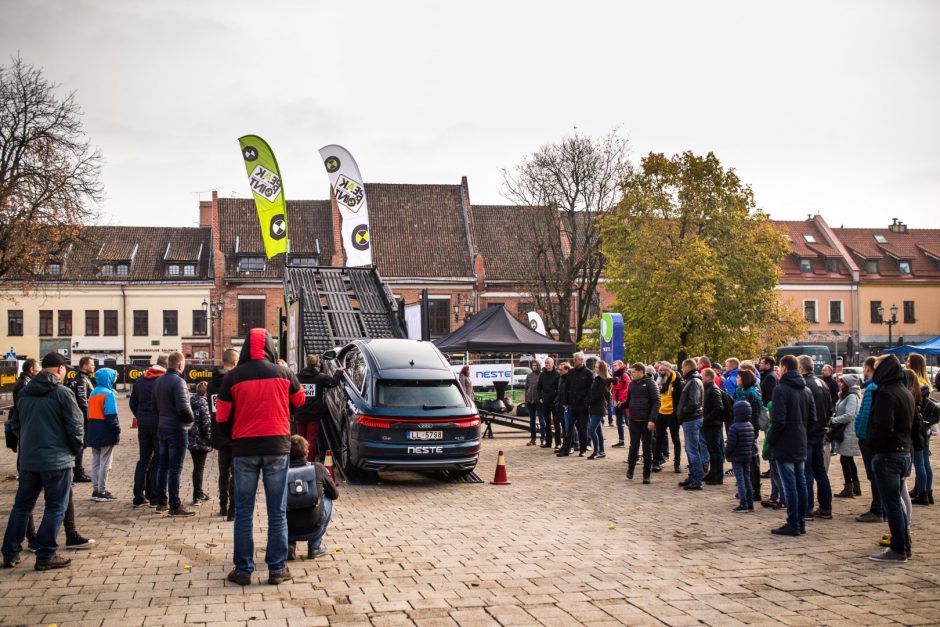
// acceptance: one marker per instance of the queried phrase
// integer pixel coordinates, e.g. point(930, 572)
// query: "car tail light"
point(373, 422)
point(468, 423)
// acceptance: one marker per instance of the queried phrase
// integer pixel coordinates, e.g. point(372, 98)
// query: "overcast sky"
point(820, 106)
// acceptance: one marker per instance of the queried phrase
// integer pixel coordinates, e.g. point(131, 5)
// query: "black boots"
point(847, 492)
point(923, 498)
point(857, 487)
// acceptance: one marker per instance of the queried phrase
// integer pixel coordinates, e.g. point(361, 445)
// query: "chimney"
point(897, 226)
point(205, 213)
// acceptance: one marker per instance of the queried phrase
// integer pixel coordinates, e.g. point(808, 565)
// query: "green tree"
point(693, 262)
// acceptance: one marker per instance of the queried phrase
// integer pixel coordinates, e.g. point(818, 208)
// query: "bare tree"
point(49, 175)
point(577, 180)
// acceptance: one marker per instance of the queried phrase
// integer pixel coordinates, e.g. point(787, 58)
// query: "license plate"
point(425, 435)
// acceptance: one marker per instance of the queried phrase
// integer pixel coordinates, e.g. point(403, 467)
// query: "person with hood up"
point(199, 440)
point(104, 432)
point(889, 436)
point(49, 426)
point(850, 398)
point(748, 389)
point(739, 451)
point(315, 383)
point(174, 418)
point(221, 442)
point(254, 407)
point(875, 513)
point(145, 412)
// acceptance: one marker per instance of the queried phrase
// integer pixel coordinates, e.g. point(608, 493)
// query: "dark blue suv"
point(399, 406)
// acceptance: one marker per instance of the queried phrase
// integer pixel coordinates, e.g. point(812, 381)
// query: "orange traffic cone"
point(328, 464)
point(500, 478)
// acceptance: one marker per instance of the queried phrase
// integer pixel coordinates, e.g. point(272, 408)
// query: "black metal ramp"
point(490, 418)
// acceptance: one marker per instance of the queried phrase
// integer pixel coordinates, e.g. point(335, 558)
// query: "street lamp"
point(213, 312)
point(467, 309)
point(891, 322)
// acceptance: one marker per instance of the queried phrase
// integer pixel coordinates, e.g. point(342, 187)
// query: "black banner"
point(128, 374)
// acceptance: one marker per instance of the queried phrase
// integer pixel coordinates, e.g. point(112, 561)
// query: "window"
point(251, 264)
point(189, 270)
point(107, 269)
point(122, 269)
point(416, 394)
point(170, 322)
point(200, 326)
point(876, 318)
point(65, 323)
point(303, 261)
point(173, 269)
point(904, 267)
point(45, 323)
point(909, 312)
point(809, 310)
point(439, 316)
point(15, 322)
point(355, 368)
point(141, 322)
point(525, 308)
point(55, 269)
point(494, 304)
point(835, 311)
point(871, 266)
point(832, 265)
point(250, 314)
point(881, 239)
point(110, 322)
point(806, 265)
point(91, 322)
point(810, 239)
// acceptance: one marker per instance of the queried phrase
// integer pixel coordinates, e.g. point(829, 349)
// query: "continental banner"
point(264, 177)
point(350, 195)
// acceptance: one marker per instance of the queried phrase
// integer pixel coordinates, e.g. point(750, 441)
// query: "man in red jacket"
point(254, 407)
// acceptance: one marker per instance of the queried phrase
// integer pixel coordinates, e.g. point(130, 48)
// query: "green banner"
point(264, 177)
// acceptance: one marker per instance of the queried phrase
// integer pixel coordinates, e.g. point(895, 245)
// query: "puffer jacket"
point(864, 410)
point(255, 400)
point(171, 400)
point(142, 403)
point(200, 434)
point(49, 425)
point(792, 411)
point(823, 402)
point(892, 410)
point(643, 400)
point(846, 410)
point(740, 445)
point(104, 429)
point(692, 400)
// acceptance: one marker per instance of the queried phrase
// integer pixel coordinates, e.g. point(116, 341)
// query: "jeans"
point(793, 478)
point(595, 431)
point(545, 421)
point(714, 438)
point(577, 416)
point(226, 485)
point(316, 538)
point(776, 483)
point(56, 486)
point(877, 506)
point(922, 470)
point(273, 470)
point(742, 478)
point(664, 422)
point(755, 476)
point(621, 415)
point(816, 471)
point(145, 473)
point(173, 444)
point(199, 468)
point(640, 434)
point(891, 469)
point(692, 429)
point(533, 419)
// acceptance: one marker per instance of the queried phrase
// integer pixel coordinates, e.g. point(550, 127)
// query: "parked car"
point(518, 377)
point(399, 406)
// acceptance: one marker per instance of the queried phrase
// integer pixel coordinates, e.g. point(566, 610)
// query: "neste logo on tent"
point(265, 182)
point(349, 193)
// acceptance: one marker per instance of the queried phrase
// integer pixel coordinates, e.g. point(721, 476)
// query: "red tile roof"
point(504, 237)
point(914, 245)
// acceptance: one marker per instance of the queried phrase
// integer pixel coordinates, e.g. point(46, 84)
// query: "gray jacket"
point(846, 410)
point(532, 388)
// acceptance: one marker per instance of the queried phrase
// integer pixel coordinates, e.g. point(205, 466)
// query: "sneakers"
point(741, 509)
point(94, 495)
point(102, 497)
point(785, 530)
point(11, 562)
point(658, 468)
point(81, 478)
point(619, 444)
point(78, 541)
point(316, 552)
point(162, 507)
point(181, 511)
point(692, 486)
point(53, 562)
point(204, 497)
point(278, 578)
point(889, 556)
point(291, 551)
point(630, 474)
point(592, 456)
point(869, 517)
point(821, 513)
point(138, 501)
point(530, 443)
point(241, 579)
point(31, 546)
point(600, 455)
point(646, 481)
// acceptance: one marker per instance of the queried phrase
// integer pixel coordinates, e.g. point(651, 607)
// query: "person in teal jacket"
point(875, 512)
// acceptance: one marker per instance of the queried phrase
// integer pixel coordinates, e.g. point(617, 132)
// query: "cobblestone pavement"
point(570, 541)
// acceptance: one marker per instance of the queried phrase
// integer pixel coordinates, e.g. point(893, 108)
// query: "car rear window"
point(419, 394)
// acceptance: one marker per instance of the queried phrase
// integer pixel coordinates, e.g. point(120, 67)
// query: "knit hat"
point(850, 380)
point(53, 360)
point(742, 411)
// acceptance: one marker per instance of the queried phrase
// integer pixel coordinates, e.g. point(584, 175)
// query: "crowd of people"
point(886, 417)
point(244, 413)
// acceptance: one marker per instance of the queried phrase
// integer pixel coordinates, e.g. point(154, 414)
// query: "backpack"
point(727, 406)
point(302, 489)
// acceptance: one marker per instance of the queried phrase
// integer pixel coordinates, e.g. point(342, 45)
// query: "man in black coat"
point(792, 411)
point(690, 410)
point(768, 378)
point(82, 386)
point(175, 417)
point(642, 408)
point(219, 439)
point(815, 467)
point(889, 437)
point(832, 384)
point(144, 410)
point(547, 391)
point(579, 381)
point(713, 422)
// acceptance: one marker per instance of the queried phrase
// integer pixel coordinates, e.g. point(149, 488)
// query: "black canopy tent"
point(495, 330)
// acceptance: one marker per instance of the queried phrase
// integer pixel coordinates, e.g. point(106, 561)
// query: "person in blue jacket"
point(104, 432)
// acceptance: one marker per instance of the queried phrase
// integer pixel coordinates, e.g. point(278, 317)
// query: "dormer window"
point(189, 269)
point(54, 269)
point(871, 266)
point(881, 239)
point(832, 265)
point(810, 239)
point(303, 261)
point(107, 269)
point(122, 269)
point(806, 265)
point(173, 269)
point(904, 267)
point(251, 264)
